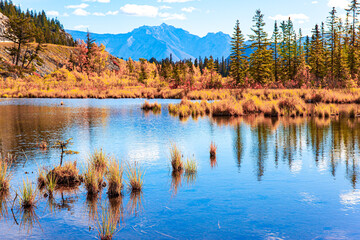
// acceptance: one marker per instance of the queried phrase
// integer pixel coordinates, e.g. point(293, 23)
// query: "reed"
point(176, 158)
point(114, 178)
point(155, 107)
point(66, 175)
point(136, 177)
point(99, 161)
point(92, 180)
point(213, 149)
point(190, 166)
point(51, 184)
point(27, 195)
point(5, 175)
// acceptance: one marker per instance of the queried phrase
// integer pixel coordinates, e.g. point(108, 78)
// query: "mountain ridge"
point(161, 41)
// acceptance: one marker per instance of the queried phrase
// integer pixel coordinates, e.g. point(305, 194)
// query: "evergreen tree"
point(317, 55)
point(238, 63)
point(275, 47)
point(261, 58)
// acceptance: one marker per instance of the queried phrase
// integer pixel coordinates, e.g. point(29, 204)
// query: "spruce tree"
point(238, 63)
point(261, 58)
point(317, 55)
point(275, 47)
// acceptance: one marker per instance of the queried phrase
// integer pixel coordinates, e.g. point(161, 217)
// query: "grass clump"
point(51, 184)
point(5, 176)
point(213, 149)
point(93, 180)
point(190, 166)
point(155, 107)
point(228, 107)
point(99, 161)
point(27, 195)
point(135, 175)
point(115, 179)
point(106, 225)
point(176, 158)
point(66, 175)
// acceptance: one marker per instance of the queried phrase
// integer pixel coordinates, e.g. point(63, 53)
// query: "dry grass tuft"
point(115, 179)
point(99, 161)
point(27, 195)
point(176, 158)
point(5, 175)
point(155, 107)
point(213, 149)
point(190, 166)
point(66, 175)
point(136, 177)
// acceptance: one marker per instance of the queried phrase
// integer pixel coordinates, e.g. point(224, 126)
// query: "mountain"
point(3, 20)
point(161, 41)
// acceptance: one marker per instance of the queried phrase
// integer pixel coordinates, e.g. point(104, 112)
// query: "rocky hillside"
point(3, 19)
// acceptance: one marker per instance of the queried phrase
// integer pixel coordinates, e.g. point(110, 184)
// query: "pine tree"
point(275, 47)
point(238, 62)
point(353, 53)
point(317, 55)
point(261, 58)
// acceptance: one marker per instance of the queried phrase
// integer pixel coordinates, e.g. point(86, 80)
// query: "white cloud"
point(81, 12)
point(100, 14)
point(339, 3)
point(53, 13)
point(188, 9)
point(140, 10)
point(172, 16)
point(100, 1)
point(296, 16)
point(175, 1)
point(314, 2)
point(165, 7)
point(80, 6)
point(81, 27)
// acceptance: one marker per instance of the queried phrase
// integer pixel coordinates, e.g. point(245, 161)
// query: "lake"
point(289, 178)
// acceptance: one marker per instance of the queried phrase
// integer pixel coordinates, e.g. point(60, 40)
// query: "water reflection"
point(135, 203)
point(3, 205)
point(176, 181)
point(29, 219)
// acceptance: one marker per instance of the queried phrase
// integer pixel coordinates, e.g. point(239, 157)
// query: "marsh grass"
point(176, 158)
point(66, 175)
point(51, 184)
point(42, 177)
point(5, 175)
point(190, 166)
point(213, 149)
point(114, 178)
point(155, 107)
point(106, 225)
point(99, 161)
point(92, 180)
point(27, 195)
point(136, 177)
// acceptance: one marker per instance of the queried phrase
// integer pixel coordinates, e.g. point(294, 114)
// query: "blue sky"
point(196, 16)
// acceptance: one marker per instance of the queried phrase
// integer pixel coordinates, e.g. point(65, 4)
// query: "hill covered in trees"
point(46, 30)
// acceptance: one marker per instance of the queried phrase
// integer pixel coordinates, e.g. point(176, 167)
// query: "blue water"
point(272, 179)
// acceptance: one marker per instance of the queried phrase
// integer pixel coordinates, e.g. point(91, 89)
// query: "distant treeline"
point(329, 57)
point(46, 30)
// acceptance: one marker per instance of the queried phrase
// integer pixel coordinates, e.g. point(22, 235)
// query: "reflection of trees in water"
point(22, 127)
point(331, 141)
